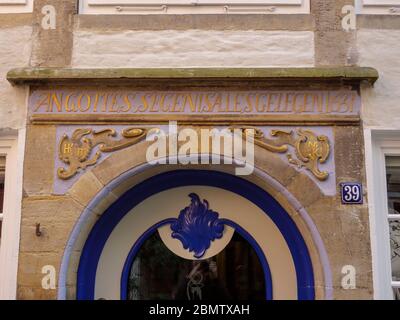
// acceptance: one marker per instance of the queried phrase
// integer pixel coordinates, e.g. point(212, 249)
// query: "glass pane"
point(394, 227)
point(393, 184)
point(159, 274)
point(396, 293)
point(1, 196)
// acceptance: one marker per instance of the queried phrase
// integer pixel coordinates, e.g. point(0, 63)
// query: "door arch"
point(101, 233)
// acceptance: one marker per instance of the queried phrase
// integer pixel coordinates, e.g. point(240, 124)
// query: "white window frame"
point(389, 7)
point(193, 6)
point(12, 147)
point(16, 6)
point(378, 145)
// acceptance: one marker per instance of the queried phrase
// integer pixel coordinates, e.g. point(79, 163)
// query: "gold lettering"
point(80, 102)
point(298, 109)
point(80, 152)
point(236, 103)
point(249, 106)
point(317, 102)
point(308, 107)
point(145, 104)
point(192, 105)
point(128, 103)
point(154, 106)
point(96, 101)
point(105, 101)
point(200, 102)
point(163, 106)
point(268, 105)
point(67, 148)
point(276, 100)
point(70, 107)
point(286, 105)
point(114, 103)
point(209, 104)
point(46, 99)
point(175, 104)
point(328, 103)
point(56, 101)
point(227, 102)
point(258, 98)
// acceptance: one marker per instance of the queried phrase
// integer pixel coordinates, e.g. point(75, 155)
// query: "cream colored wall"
point(15, 50)
point(193, 48)
point(381, 104)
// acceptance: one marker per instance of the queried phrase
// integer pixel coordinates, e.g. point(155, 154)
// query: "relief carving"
point(310, 150)
point(76, 151)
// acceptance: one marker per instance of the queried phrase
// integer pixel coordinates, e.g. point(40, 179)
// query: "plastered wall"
point(15, 49)
point(193, 48)
point(380, 48)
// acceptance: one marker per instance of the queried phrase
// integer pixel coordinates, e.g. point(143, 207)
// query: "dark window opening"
point(233, 274)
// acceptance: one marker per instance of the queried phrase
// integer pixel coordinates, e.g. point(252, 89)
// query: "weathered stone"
point(22, 75)
point(34, 293)
point(56, 215)
point(333, 44)
point(356, 294)
point(272, 164)
point(85, 188)
point(345, 237)
point(31, 264)
point(121, 161)
point(349, 154)
point(304, 189)
point(53, 47)
point(40, 151)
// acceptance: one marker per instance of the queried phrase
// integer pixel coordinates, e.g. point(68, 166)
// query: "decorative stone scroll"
point(310, 149)
point(76, 151)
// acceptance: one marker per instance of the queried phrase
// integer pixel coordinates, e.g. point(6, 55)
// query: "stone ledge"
point(338, 75)
point(270, 22)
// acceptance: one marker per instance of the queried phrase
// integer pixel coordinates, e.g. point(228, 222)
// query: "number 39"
point(351, 193)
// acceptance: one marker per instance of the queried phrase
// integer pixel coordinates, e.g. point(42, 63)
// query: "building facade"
point(194, 150)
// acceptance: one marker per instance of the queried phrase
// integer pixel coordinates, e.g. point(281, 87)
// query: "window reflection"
point(159, 274)
point(396, 293)
point(394, 227)
point(393, 196)
point(393, 184)
point(2, 176)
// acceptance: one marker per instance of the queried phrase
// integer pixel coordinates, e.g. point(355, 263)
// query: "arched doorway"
point(239, 210)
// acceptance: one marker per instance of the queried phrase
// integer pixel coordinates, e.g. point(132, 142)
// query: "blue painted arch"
point(112, 216)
